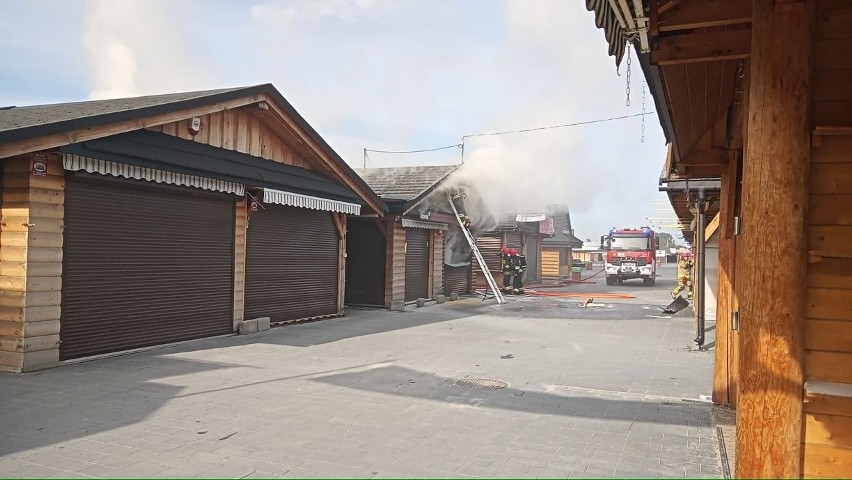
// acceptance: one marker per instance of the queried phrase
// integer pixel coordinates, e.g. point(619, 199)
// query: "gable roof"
point(22, 127)
point(406, 185)
point(18, 123)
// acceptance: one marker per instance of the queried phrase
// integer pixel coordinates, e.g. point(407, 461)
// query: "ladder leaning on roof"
point(487, 273)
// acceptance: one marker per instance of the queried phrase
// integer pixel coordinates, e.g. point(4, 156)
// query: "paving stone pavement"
point(607, 393)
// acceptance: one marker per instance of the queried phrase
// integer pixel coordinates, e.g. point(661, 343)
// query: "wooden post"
point(341, 261)
point(724, 380)
point(775, 199)
point(240, 238)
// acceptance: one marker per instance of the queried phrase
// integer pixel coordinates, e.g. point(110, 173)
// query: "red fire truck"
point(630, 253)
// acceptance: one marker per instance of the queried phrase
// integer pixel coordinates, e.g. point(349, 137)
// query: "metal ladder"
point(487, 273)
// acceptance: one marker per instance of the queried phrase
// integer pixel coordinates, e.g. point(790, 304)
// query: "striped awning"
point(306, 201)
point(104, 167)
point(606, 19)
point(411, 223)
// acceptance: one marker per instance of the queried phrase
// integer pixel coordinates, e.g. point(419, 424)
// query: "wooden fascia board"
point(704, 13)
point(321, 153)
point(81, 135)
point(702, 47)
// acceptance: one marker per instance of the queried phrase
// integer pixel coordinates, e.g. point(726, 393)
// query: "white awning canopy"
point(104, 167)
point(306, 201)
point(411, 223)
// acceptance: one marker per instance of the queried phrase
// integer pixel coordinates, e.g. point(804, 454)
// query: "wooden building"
point(142, 221)
point(557, 250)
point(400, 258)
point(759, 94)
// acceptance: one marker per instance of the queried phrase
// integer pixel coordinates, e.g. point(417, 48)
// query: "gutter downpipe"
point(700, 205)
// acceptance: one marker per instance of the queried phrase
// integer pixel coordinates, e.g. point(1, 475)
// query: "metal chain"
point(643, 110)
point(628, 74)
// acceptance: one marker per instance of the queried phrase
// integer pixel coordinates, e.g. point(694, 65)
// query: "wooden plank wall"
point(240, 131)
point(240, 238)
point(395, 263)
point(827, 421)
point(31, 241)
point(549, 262)
point(437, 241)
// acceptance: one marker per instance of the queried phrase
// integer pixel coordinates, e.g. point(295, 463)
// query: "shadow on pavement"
point(79, 400)
point(401, 381)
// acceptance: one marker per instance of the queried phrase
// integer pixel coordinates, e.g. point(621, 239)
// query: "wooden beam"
point(705, 13)
point(724, 376)
point(340, 224)
point(775, 194)
point(711, 228)
point(664, 8)
point(702, 47)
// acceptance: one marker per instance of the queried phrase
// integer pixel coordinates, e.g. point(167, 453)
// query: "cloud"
point(135, 47)
point(286, 11)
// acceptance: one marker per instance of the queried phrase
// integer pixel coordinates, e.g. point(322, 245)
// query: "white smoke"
point(136, 47)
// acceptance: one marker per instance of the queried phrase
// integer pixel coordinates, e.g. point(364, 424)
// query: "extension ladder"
point(487, 273)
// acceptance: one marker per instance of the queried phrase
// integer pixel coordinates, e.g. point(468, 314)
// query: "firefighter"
point(458, 202)
point(684, 276)
point(507, 266)
point(520, 268)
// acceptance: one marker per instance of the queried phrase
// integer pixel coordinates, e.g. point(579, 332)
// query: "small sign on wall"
point(38, 164)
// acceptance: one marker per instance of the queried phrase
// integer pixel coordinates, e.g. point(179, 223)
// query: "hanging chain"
point(643, 110)
point(628, 74)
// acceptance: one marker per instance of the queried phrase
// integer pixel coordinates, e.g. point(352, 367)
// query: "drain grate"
point(482, 383)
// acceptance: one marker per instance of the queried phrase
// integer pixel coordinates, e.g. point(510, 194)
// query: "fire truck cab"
point(630, 253)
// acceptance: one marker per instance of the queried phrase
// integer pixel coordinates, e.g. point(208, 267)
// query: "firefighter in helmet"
point(458, 202)
point(507, 266)
point(520, 268)
point(684, 275)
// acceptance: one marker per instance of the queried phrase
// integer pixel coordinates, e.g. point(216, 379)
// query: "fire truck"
point(630, 253)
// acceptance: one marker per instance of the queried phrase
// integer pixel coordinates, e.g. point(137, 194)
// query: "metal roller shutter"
point(291, 264)
point(143, 265)
point(513, 240)
point(489, 246)
point(456, 279)
point(416, 263)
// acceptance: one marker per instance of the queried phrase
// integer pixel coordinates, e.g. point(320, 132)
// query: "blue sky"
point(377, 74)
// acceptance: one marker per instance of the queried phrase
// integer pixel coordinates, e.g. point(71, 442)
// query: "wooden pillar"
point(724, 378)
point(31, 241)
point(775, 196)
point(437, 263)
point(341, 262)
point(240, 238)
point(395, 265)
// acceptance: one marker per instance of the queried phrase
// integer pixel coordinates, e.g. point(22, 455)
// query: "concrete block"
point(263, 324)
point(398, 306)
point(454, 297)
point(439, 299)
point(40, 360)
point(248, 326)
point(421, 302)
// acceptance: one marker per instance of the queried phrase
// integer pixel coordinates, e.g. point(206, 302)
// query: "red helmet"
point(506, 251)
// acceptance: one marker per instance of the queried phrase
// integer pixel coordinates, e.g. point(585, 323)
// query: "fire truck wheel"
point(610, 281)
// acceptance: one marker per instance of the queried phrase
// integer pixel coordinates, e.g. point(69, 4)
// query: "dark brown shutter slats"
point(489, 246)
point(456, 279)
point(291, 264)
point(416, 263)
point(143, 265)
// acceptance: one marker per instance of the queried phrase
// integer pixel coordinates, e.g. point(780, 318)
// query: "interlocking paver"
point(591, 394)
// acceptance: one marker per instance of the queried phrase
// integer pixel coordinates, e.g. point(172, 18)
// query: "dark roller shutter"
point(365, 263)
point(456, 279)
point(513, 240)
point(143, 264)
point(291, 264)
point(416, 263)
point(489, 246)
